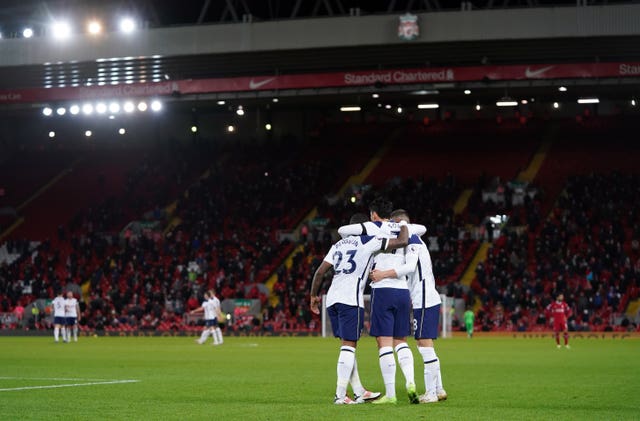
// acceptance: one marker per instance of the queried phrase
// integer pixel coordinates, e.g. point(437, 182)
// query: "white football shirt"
point(70, 307)
point(58, 307)
point(379, 228)
point(422, 283)
point(214, 304)
point(351, 259)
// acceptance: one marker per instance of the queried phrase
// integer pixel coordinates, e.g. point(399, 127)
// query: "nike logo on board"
point(535, 73)
point(256, 85)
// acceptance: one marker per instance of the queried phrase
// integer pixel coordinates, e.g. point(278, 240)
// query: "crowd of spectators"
point(224, 231)
point(586, 249)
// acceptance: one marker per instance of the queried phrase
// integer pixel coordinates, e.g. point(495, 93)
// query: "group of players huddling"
point(65, 317)
point(389, 251)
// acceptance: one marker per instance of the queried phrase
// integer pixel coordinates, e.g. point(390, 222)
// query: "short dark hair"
point(382, 207)
point(400, 213)
point(358, 218)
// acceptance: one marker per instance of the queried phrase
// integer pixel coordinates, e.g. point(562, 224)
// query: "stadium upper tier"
point(495, 36)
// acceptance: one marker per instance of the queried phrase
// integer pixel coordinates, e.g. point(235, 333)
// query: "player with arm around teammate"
point(71, 312)
point(350, 258)
point(391, 315)
point(426, 304)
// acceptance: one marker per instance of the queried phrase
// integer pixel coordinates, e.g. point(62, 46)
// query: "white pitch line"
point(55, 386)
point(55, 379)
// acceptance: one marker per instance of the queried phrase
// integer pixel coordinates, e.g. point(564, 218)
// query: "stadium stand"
point(199, 195)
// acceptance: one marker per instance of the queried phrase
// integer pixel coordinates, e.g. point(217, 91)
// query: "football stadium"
point(274, 209)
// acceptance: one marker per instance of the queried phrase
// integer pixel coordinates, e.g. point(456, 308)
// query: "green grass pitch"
point(274, 378)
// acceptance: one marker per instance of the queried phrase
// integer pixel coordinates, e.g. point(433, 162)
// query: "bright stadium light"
point(142, 106)
point(27, 32)
point(74, 109)
point(231, 129)
point(221, 102)
point(467, 91)
point(94, 27)
point(194, 129)
point(127, 25)
point(633, 102)
point(240, 110)
point(556, 105)
point(275, 100)
point(122, 131)
point(61, 111)
point(562, 89)
point(524, 102)
point(588, 101)
point(114, 108)
point(478, 107)
point(399, 110)
point(506, 103)
point(375, 95)
point(349, 108)
point(88, 133)
point(267, 127)
point(87, 109)
point(432, 106)
point(156, 105)
point(47, 111)
point(129, 107)
point(52, 134)
point(61, 30)
point(101, 108)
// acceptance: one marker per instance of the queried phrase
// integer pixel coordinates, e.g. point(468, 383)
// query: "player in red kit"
point(560, 311)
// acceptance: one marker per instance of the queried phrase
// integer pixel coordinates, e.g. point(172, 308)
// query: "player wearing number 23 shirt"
point(351, 259)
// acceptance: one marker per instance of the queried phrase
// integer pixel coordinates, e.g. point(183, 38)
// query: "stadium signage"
point(128, 90)
point(629, 69)
point(408, 28)
point(325, 80)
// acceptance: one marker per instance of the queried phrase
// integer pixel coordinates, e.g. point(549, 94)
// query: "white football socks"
point(203, 337)
point(346, 360)
point(56, 333)
point(217, 336)
point(431, 369)
point(405, 360)
point(388, 368)
point(356, 384)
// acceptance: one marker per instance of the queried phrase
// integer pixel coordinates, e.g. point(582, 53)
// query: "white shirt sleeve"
point(417, 229)
point(409, 266)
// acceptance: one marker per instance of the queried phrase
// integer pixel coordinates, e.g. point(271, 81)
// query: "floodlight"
point(127, 25)
point(61, 30)
point(94, 27)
